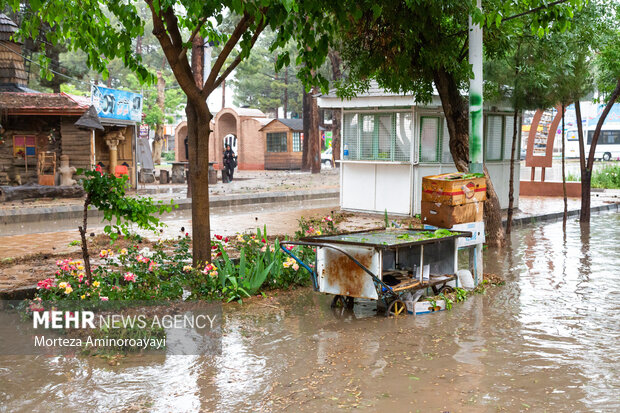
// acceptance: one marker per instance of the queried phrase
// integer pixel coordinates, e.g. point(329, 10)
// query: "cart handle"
point(315, 283)
point(322, 245)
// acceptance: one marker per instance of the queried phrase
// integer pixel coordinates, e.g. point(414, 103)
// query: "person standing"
point(230, 162)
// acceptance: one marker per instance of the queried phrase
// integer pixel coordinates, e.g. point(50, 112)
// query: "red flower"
point(218, 237)
point(263, 241)
point(214, 247)
point(226, 239)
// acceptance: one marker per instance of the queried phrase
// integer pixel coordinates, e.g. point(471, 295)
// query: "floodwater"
point(547, 341)
point(55, 236)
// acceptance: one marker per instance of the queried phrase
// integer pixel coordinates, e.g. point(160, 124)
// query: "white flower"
point(146, 252)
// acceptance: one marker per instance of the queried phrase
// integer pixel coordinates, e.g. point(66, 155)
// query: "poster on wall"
point(116, 104)
point(144, 131)
point(327, 138)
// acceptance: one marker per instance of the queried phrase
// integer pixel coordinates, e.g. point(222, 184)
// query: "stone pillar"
point(113, 139)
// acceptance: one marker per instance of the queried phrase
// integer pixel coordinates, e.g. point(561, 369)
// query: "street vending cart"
point(382, 264)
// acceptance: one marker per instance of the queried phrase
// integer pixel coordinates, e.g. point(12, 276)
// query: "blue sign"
point(116, 104)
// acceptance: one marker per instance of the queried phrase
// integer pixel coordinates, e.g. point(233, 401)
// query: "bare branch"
point(597, 131)
point(201, 23)
point(238, 59)
point(241, 27)
point(180, 67)
point(534, 10)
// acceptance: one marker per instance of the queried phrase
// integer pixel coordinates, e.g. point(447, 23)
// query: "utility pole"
point(476, 118)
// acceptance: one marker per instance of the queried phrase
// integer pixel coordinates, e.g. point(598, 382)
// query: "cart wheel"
point(340, 301)
point(396, 309)
point(446, 290)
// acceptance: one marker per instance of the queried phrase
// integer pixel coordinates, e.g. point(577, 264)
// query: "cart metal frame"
point(389, 295)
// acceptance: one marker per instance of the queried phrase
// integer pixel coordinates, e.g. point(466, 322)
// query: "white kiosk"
point(389, 143)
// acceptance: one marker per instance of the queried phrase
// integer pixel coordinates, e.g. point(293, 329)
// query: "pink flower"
point(289, 247)
point(46, 284)
point(295, 266)
point(143, 259)
point(129, 276)
point(104, 298)
point(153, 265)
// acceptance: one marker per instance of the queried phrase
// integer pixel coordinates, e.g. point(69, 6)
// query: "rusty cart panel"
point(339, 275)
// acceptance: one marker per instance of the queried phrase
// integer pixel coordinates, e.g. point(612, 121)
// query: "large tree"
point(177, 25)
point(607, 63)
point(415, 46)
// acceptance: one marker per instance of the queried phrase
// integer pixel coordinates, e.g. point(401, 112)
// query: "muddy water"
point(546, 341)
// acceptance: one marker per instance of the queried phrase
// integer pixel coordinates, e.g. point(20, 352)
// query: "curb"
point(557, 216)
point(61, 212)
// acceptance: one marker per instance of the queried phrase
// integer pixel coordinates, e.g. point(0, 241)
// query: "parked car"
point(326, 158)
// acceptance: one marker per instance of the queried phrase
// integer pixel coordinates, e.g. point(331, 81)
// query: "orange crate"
point(453, 189)
point(447, 216)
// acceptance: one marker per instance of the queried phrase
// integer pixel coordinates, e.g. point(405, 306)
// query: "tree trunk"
point(584, 214)
point(83, 228)
point(224, 94)
point(32, 191)
point(336, 62)
point(496, 236)
point(285, 98)
point(457, 117)
point(586, 180)
point(314, 148)
point(198, 119)
point(511, 189)
point(158, 140)
point(456, 112)
point(336, 115)
point(306, 111)
point(565, 216)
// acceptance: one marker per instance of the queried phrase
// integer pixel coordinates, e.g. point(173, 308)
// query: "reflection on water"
point(546, 341)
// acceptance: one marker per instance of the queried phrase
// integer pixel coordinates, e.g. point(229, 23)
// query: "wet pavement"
point(546, 341)
point(245, 182)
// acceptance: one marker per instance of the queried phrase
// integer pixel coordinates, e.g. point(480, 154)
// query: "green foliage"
point(107, 193)
point(260, 266)
point(168, 156)
point(318, 226)
point(607, 177)
point(123, 274)
point(403, 57)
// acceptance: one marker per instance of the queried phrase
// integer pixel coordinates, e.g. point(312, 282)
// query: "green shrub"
point(608, 177)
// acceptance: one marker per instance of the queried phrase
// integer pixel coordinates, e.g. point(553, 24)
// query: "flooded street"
point(55, 236)
point(548, 340)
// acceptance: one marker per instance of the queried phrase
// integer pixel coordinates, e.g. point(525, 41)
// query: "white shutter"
point(493, 138)
point(508, 132)
point(429, 137)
